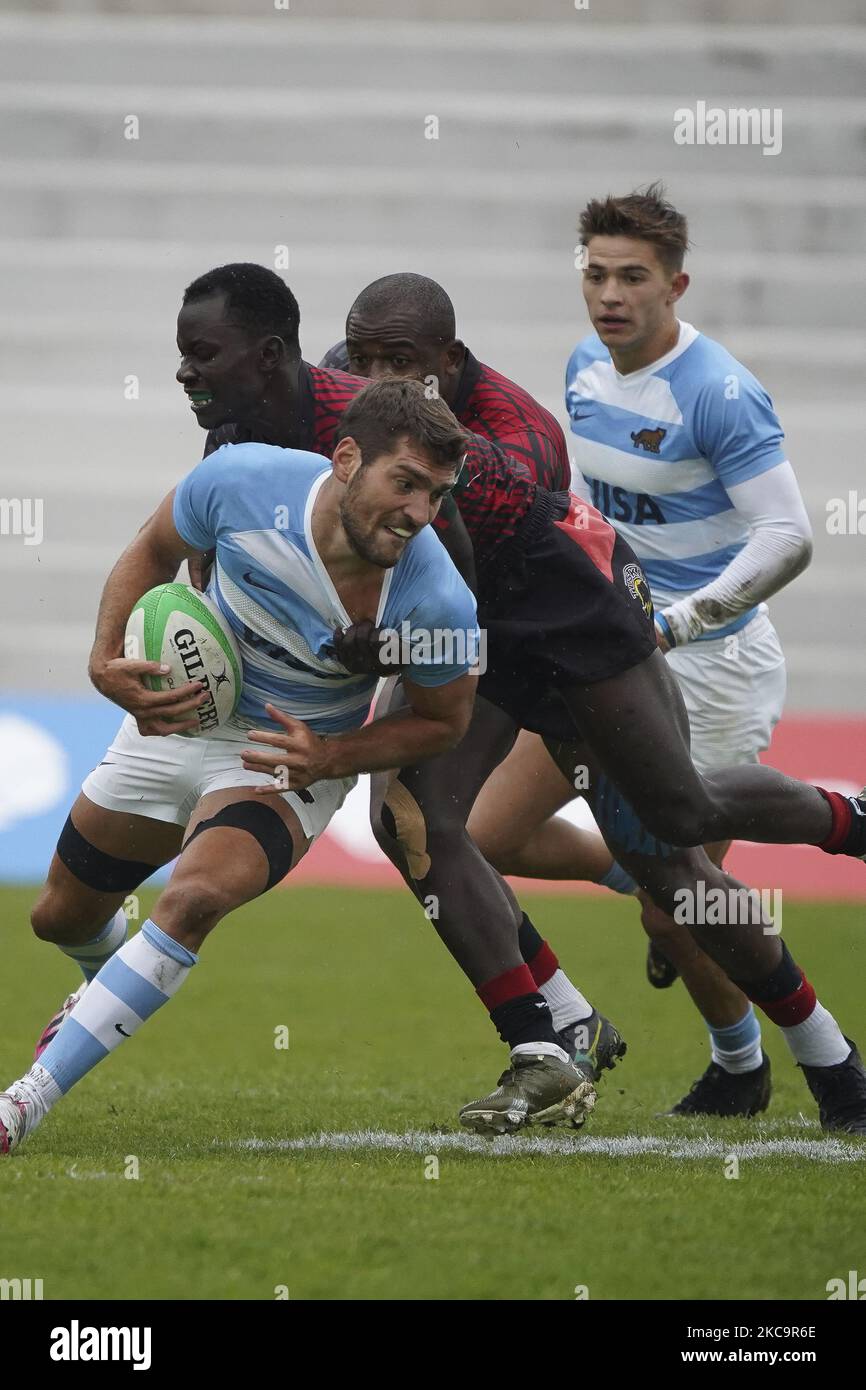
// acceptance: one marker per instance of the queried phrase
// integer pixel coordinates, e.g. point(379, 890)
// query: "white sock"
point(92, 955)
point(38, 1089)
point(567, 1004)
point(817, 1041)
point(739, 1060)
point(540, 1049)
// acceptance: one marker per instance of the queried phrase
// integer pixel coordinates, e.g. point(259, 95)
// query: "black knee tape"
point(265, 825)
point(95, 868)
point(784, 980)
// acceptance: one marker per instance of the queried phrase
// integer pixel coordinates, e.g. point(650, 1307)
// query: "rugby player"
point(302, 545)
point(679, 446)
point(390, 336)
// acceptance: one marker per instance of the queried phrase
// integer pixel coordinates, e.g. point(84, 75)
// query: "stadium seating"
point(309, 134)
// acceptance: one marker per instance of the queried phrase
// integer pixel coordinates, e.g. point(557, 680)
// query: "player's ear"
point(679, 285)
point(272, 352)
point(346, 460)
point(454, 356)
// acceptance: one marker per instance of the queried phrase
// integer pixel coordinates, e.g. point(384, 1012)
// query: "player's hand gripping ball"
point(185, 632)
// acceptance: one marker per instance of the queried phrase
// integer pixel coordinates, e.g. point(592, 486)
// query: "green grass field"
point(385, 1035)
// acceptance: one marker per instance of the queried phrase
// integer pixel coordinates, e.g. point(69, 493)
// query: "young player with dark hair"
point(679, 446)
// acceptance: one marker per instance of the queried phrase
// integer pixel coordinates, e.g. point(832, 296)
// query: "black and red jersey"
point(490, 405)
point(496, 491)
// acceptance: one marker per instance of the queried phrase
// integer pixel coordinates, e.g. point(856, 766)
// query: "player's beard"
point(361, 536)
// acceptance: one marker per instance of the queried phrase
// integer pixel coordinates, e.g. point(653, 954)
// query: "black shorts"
point(562, 603)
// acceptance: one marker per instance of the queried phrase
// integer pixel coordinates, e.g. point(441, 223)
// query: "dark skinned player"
point(383, 340)
point(391, 331)
point(386, 344)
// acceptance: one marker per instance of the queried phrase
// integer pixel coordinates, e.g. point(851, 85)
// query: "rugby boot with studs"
point(840, 1091)
point(537, 1089)
point(597, 1040)
point(725, 1093)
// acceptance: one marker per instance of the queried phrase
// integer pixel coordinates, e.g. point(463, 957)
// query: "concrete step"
point(645, 13)
point(746, 290)
point(556, 58)
point(80, 198)
point(280, 126)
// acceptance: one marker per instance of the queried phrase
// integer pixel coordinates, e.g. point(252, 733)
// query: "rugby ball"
point(184, 630)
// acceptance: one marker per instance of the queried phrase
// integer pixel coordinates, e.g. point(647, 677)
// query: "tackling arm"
point(436, 720)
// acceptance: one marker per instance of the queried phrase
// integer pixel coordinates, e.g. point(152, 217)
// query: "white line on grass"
point(621, 1146)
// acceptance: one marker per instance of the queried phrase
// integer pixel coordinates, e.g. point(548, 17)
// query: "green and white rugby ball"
point(184, 630)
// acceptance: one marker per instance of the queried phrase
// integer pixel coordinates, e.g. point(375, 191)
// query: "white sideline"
point(425, 1142)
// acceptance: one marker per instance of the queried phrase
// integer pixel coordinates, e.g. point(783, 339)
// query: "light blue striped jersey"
point(254, 503)
point(657, 448)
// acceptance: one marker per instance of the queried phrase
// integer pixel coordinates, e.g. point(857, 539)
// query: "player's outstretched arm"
point(154, 557)
point(436, 720)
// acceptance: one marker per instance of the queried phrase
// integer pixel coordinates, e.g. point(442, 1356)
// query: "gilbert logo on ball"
point(184, 630)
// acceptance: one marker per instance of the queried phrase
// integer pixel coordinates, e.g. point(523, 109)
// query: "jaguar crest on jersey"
point(649, 439)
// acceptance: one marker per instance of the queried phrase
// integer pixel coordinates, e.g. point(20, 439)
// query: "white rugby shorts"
point(164, 777)
point(734, 689)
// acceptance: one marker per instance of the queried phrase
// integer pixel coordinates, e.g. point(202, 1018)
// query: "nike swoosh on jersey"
point(256, 585)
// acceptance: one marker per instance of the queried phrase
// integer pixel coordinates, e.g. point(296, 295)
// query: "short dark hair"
point(646, 216)
point(257, 299)
point(414, 294)
point(387, 411)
